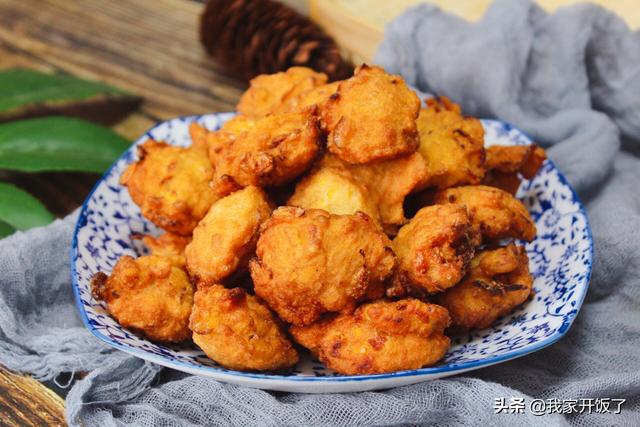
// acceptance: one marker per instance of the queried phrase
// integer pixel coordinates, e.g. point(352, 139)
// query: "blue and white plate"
point(560, 260)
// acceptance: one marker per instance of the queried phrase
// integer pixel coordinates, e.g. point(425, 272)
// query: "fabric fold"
point(40, 330)
point(569, 79)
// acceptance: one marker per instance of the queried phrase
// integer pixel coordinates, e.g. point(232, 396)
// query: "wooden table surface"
point(149, 48)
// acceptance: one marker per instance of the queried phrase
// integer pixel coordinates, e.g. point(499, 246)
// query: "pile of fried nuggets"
point(338, 268)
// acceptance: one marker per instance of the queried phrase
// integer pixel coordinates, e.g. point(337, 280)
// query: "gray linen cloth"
point(572, 81)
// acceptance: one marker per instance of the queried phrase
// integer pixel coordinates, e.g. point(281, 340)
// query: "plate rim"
point(209, 371)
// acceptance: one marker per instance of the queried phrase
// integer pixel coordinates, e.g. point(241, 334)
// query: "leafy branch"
point(37, 135)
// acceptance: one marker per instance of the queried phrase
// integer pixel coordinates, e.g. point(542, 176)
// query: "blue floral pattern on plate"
point(560, 260)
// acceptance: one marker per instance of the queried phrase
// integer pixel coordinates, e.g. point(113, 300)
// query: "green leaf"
point(6, 229)
point(29, 93)
point(21, 210)
point(58, 144)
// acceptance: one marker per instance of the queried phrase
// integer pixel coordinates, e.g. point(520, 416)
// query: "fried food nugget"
point(505, 163)
point(451, 144)
point(150, 295)
point(319, 96)
point(239, 332)
point(498, 281)
point(279, 92)
point(221, 185)
point(495, 214)
point(525, 159)
point(168, 245)
point(372, 117)
point(434, 248)
point(377, 189)
point(310, 262)
point(226, 237)
point(171, 185)
point(334, 191)
point(268, 151)
point(387, 183)
point(379, 337)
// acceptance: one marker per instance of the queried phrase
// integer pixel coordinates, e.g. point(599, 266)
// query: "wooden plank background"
point(26, 402)
point(149, 48)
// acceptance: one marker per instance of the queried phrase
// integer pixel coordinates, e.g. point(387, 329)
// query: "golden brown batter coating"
point(226, 237)
point(377, 189)
point(434, 248)
point(239, 332)
point(198, 134)
point(524, 159)
point(498, 281)
point(505, 163)
point(335, 191)
point(372, 117)
point(168, 245)
point(379, 337)
point(221, 185)
point(310, 262)
point(319, 96)
point(150, 295)
point(269, 151)
point(276, 93)
point(171, 185)
point(495, 214)
point(387, 183)
point(451, 144)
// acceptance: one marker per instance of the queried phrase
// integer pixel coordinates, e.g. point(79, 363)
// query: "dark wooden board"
point(26, 402)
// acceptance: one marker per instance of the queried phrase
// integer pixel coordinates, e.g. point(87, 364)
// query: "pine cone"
point(251, 37)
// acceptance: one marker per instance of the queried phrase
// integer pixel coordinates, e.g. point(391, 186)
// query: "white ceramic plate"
point(560, 260)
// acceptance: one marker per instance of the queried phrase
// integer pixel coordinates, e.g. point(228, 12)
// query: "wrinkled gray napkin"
point(571, 80)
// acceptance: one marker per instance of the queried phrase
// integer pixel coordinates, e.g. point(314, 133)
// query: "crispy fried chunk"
point(387, 183)
point(495, 214)
point(505, 164)
point(434, 248)
point(379, 337)
point(279, 92)
point(239, 332)
point(372, 117)
point(268, 151)
point(378, 189)
point(150, 295)
point(226, 237)
point(335, 191)
point(310, 262)
point(171, 185)
point(498, 281)
point(451, 144)
point(317, 96)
